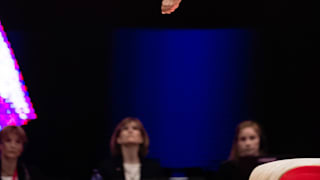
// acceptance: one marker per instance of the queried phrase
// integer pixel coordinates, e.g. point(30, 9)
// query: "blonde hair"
point(115, 147)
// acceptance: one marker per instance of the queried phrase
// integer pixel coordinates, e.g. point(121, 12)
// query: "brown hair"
point(234, 154)
point(17, 130)
point(115, 147)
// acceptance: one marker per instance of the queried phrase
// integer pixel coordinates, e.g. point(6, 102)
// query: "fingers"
point(169, 6)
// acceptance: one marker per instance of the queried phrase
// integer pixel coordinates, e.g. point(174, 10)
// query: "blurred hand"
point(169, 6)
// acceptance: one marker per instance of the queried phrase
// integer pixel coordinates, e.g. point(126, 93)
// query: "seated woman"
point(129, 146)
point(12, 140)
point(247, 152)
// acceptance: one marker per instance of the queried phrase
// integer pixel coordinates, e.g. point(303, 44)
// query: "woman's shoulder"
point(152, 168)
point(228, 163)
point(150, 161)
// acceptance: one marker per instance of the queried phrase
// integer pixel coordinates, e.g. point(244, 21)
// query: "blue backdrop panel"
point(188, 86)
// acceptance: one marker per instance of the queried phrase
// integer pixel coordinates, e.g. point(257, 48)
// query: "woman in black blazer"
point(129, 146)
point(248, 151)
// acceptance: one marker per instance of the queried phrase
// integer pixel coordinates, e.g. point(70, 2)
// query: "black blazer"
point(240, 169)
point(112, 169)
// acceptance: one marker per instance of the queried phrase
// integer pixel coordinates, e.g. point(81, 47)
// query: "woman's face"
point(248, 142)
point(11, 146)
point(130, 134)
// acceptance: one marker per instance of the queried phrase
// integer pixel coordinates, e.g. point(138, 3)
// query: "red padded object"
point(302, 173)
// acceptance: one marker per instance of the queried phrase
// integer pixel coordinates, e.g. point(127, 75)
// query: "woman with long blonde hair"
point(247, 147)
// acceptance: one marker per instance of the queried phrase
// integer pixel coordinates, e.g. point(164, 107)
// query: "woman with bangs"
point(129, 146)
point(12, 140)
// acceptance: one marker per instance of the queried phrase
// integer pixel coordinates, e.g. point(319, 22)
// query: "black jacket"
point(112, 169)
point(23, 173)
point(241, 168)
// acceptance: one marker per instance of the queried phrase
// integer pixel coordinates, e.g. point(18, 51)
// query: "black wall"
point(69, 82)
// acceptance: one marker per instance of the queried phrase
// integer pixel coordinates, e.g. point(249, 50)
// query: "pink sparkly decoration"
point(15, 105)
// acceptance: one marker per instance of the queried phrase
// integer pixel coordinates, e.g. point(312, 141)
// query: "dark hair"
point(115, 147)
point(234, 153)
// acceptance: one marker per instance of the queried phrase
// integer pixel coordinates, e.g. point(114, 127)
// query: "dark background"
point(71, 90)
